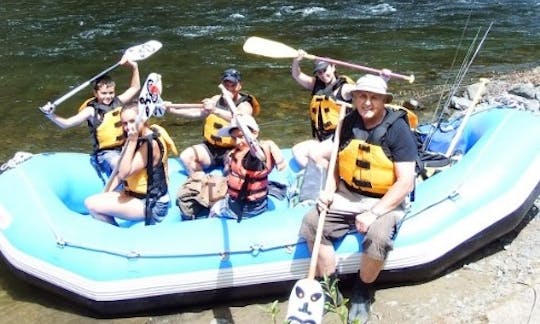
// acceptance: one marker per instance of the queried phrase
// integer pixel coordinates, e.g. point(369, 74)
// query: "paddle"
point(269, 48)
point(185, 106)
point(252, 142)
point(308, 292)
point(150, 104)
point(476, 99)
point(134, 53)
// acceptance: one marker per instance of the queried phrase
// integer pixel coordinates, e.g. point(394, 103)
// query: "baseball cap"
point(231, 75)
point(319, 65)
point(247, 120)
point(373, 83)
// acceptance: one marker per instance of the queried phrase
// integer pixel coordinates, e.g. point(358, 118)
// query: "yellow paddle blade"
point(269, 48)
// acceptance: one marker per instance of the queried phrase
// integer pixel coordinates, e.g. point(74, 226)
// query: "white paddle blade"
point(143, 51)
point(306, 302)
point(269, 48)
point(150, 102)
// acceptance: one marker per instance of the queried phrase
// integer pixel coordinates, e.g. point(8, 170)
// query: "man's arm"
point(405, 178)
point(187, 112)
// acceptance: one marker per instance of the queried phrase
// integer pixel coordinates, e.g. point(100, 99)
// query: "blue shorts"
point(160, 208)
point(106, 160)
point(232, 209)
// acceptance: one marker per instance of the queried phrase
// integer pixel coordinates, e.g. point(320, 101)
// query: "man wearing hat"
point(376, 173)
point(247, 176)
point(326, 87)
point(217, 115)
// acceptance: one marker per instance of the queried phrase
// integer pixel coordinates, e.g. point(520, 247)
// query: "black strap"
point(150, 180)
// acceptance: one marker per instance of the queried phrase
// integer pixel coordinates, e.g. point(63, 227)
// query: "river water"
point(49, 47)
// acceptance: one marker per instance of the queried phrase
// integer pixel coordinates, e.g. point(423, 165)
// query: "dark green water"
point(48, 47)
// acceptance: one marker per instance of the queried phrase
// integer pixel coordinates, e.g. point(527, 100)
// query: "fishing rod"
point(459, 78)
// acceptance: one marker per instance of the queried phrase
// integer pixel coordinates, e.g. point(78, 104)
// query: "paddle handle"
point(409, 78)
point(327, 187)
point(459, 132)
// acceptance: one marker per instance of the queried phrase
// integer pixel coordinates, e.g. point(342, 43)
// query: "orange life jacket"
point(249, 185)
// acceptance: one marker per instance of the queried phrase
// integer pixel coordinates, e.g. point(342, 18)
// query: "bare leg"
point(106, 206)
point(370, 268)
point(326, 264)
point(195, 158)
point(301, 151)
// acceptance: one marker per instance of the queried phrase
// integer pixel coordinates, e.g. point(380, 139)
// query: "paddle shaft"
point(185, 106)
point(409, 78)
point(327, 187)
point(114, 172)
point(84, 85)
point(253, 145)
point(468, 114)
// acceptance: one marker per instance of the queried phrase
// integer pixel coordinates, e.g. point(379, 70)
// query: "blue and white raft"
point(47, 236)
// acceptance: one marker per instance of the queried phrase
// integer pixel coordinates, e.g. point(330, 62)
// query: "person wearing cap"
point(247, 176)
point(217, 115)
point(326, 88)
point(375, 175)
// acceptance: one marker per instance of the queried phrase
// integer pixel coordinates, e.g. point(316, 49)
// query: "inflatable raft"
point(47, 236)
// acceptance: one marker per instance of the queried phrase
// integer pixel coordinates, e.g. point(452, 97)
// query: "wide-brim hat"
point(375, 84)
point(247, 120)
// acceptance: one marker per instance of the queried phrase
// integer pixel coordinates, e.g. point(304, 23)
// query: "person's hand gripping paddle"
point(134, 53)
point(306, 302)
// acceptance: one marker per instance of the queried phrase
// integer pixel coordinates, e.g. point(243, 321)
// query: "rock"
point(471, 91)
point(525, 90)
point(460, 103)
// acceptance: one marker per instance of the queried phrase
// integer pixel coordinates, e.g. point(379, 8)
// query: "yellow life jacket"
point(137, 183)
point(105, 127)
point(328, 110)
point(364, 166)
point(212, 124)
point(412, 118)
point(323, 108)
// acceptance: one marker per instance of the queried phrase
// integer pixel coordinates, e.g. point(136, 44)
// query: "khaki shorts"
point(340, 218)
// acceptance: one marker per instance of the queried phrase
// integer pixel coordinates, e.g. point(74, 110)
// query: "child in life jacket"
point(247, 175)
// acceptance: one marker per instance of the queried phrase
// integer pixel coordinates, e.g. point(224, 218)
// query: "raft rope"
point(254, 249)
